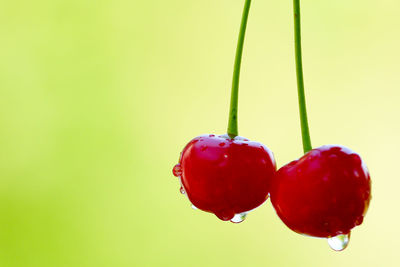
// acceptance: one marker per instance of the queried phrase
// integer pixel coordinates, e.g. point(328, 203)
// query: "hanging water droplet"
point(194, 207)
point(182, 190)
point(238, 218)
point(177, 170)
point(339, 242)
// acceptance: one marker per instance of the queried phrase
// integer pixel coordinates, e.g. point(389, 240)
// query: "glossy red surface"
point(225, 176)
point(323, 194)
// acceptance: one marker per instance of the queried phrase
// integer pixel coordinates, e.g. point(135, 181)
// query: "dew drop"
point(221, 144)
point(359, 220)
point(333, 157)
point(212, 135)
point(314, 153)
point(238, 218)
point(177, 170)
point(224, 215)
point(182, 190)
point(194, 207)
point(339, 242)
point(356, 159)
point(194, 142)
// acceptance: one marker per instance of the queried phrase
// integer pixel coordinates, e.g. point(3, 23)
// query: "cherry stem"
point(233, 111)
point(305, 132)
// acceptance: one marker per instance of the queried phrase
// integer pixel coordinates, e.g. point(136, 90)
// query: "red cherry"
point(325, 193)
point(226, 176)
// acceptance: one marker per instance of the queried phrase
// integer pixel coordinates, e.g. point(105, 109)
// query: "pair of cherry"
point(325, 193)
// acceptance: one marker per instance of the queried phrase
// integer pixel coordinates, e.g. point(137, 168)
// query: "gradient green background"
point(97, 99)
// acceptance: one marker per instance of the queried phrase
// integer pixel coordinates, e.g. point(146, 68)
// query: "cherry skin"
point(325, 193)
point(225, 176)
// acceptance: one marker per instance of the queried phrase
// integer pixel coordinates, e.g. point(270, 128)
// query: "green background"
point(97, 99)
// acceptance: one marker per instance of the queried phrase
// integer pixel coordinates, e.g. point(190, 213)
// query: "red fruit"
point(325, 193)
point(225, 176)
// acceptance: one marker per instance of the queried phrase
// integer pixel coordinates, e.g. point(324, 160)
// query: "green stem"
point(233, 111)
point(305, 132)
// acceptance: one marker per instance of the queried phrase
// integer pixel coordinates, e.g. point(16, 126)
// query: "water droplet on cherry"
point(356, 158)
point(359, 220)
point(221, 144)
point(177, 170)
point(339, 242)
point(182, 190)
point(238, 218)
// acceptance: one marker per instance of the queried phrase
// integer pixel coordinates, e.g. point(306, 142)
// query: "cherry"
point(226, 176)
point(325, 193)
